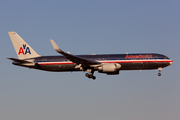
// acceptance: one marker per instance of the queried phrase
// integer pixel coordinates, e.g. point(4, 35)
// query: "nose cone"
point(171, 62)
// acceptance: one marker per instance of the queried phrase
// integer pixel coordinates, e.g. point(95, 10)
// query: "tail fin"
point(23, 50)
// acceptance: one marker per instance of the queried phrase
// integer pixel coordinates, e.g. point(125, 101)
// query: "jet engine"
point(109, 68)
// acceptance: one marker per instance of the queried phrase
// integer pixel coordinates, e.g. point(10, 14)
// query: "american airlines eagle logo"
point(24, 50)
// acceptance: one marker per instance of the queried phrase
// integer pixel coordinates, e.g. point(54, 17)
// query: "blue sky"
point(89, 27)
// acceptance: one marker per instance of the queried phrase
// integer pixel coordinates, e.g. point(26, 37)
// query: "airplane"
point(109, 64)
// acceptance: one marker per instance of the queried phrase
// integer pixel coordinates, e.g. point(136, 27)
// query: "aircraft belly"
point(58, 67)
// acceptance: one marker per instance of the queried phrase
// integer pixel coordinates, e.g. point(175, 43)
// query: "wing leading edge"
point(75, 59)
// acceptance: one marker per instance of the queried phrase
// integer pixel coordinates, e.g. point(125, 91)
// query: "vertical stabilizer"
point(23, 50)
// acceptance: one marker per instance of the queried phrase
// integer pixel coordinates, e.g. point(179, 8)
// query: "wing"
point(73, 58)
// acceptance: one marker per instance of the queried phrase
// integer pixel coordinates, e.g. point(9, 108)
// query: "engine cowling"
point(109, 68)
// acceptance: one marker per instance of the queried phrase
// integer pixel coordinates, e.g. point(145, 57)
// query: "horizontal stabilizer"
point(18, 60)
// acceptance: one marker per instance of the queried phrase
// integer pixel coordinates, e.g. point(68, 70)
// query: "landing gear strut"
point(160, 69)
point(90, 74)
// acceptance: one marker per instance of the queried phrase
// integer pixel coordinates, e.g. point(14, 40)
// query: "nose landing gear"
point(159, 74)
point(160, 69)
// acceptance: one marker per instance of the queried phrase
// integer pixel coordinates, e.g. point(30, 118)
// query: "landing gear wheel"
point(91, 76)
point(159, 74)
point(87, 75)
point(94, 77)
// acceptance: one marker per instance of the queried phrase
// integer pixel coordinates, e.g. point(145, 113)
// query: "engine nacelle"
point(109, 68)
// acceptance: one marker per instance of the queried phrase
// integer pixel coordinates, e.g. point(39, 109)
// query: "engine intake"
point(109, 68)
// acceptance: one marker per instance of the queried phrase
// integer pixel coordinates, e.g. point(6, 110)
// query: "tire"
point(94, 77)
point(159, 74)
point(87, 75)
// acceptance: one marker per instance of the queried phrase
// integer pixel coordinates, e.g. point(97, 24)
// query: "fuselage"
point(144, 61)
point(109, 64)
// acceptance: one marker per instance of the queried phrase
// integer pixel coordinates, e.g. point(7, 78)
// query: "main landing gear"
point(90, 74)
point(160, 69)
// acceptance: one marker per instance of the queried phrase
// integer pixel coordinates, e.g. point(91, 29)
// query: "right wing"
point(75, 59)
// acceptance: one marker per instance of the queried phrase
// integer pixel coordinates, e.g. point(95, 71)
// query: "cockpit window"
point(166, 57)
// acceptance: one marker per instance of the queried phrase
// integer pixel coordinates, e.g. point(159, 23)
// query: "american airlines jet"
point(109, 64)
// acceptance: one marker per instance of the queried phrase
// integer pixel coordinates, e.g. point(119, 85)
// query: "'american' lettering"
point(138, 56)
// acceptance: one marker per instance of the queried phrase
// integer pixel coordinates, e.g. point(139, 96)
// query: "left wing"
point(75, 59)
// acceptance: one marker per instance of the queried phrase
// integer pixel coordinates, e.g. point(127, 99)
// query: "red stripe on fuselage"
point(123, 61)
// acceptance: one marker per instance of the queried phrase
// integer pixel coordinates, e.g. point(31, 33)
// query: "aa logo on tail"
point(24, 50)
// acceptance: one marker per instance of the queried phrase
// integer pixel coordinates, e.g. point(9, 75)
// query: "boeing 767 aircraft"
point(109, 64)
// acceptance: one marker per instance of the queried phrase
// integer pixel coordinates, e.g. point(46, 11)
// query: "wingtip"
point(55, 46)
